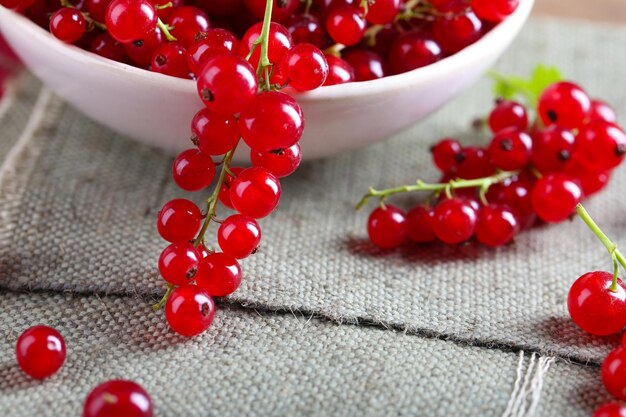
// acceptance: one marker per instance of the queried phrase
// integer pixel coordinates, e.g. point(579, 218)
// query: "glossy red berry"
point(130, 20)
point(554, 197)
point(178, 263)
point(387, 227)
point(171, 59)
point(193, 170)
point(610, 410)
point(346, 25)
point(473, 162)
point(508, 113)
point(553, 148)
point(273, 120)
point(141, 52)
point(510, 149)
point(306, 28)
point(563, 103)
point(209, 44)
point(367, 64)
point(494, 10)
point(255, 192)
point(457, 30)
point(304, 67)
point(381, 12)
point(281, 9)
point(601, 145)
point(590, 180)
point(227, 84)
point(189, 310)
point(594, 307)
point(220, 274)
point(118, 398)
point(279, 42)
point(40, 351)
point(602, 111)
point(497, 225)
point(411, 50)
point(67, 24)
point(239, 236)
point(179, 220)
point(107, 47)
point(224, 194)
point(515, 194)
point(214, 133)
point(420, 222)
point(279, 162)
point(455, 220)
point(445, 154)
point(187, 22)
point(339, 71)
point(613, 372)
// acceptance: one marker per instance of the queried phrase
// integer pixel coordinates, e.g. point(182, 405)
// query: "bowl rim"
point(442, 68)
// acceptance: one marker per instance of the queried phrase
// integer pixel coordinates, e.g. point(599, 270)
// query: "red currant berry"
point(97, 9)
point(304, 67)
point(413, 50)
point(455, 220)
point(186, 23)
point(227, 84)
point(554, 197)
point(193, 171)
point(118, 398)
point(508, 114)
point(381, 12)
point(40, 351)
point(552, 149)
point(510, 149)
point(220, 275)
point(457, 30)
point(141, 52)
point(171, 59)
point(130, 20)
point(445, 154)
point(346, 25)
point(591, 181)
point(610, 410)
point(179, 220)
point(420, 222)
point(224, 194)
point(67, 24)
point(306, 28)
point(339, 71)
point(211, 43)
point(494, 10)
point(107, 47)
point(239, 236)
point(215, 134)
point(602, 111)
point(367, 64)
point(515, 194)
point(613, 372)
point(273, 120)
point(189, 310)
point(387, 227)
point(497, 225)
point(178, 263)
point(279, 42)
point(601, 145)
point(565, 104)
point(279, 162)
point(255, 192)
point(281, 9)
point(473, 162)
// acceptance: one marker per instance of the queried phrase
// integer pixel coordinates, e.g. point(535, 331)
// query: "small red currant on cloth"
point(193, 171)
point(239, 236)
point(178, 263)
point(565, 104)
point(255, 192)
point(219, 275)
point(118, 398)
point(387, 227)
point(179, 220)
point(554, 197)
point(611, 410)
point(613, 373)
point(189, 310)
point(455, 220)
point(496, 226)
point(40, 351)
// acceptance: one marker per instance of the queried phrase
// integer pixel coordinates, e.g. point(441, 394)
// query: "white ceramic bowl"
point(157, 109)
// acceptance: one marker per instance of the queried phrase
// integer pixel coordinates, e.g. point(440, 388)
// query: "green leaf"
point(528, 90)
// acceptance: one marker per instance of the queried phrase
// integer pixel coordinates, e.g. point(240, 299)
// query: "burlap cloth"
point(323, 324)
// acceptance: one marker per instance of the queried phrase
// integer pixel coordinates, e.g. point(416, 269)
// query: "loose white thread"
point(527, 387)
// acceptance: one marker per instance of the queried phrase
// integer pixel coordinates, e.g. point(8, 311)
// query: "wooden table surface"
point(610, 11)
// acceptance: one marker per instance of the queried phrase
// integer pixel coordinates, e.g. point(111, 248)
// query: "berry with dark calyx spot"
point(508, 113)
point(510, 149)
point(193, 171)
point(565, 104)
point(178, 263)
point(209, 44)
point(279, 162)
point(187, 22)
point(239, 236)
point(553, 148)
point(279, 42)
point(346, 25)
point(118, 398)
point(455, 220)
point(189, 310)
point(494, 11)
point(171, 59)
point(473, 162)
point(215, 134)
point(129, 21)
point(613, 372)
point(40, 351)
point(497, 225)
point(107, 47)
point(601, 145)
point(387, 227)
point(219, 274)
point(67, 24)
point(255, 192)
point(445, 154)
point(339, 71)
point(179, 220)
point(141, 52)
point(304, 67)
point(555, 196)
point(420, 224)
point(411, 50)
point(602, 111)
point(367, 64)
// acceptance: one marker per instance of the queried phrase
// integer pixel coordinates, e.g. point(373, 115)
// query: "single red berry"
point(273, 120)
point(193, 171)
point(411, 50)
point(508, 113)
point(367, 64)
point(497, 225)
point(473, 162)
point(346, 25)
point(255, 192)
point(304, 67)
point(118, 398)
point(227, 84)
point(130, 20)
point(179, 220)
point(186, 23)
point(594, 307)
point(455, 220)
point(67, 24)
point(239, 236)
point(141, 52)
point(445, 154)
point(214, 133)
point(602, 111)
point(281, 9)
point(306, 28)
point(339, 71)
point(420, 222)
point(171, 59)
point(381, 12)
point(97, 9)
point(610, 410)
point(107, 47)
point(224, 194)
point(515, 194)
point(554, 197)
point(457, 30)
point(279, 162)
point(40, 351)
point(613, 372)
point(590, 180)
point(178, 263)
point(494, 10)
point(565, 104)
point(553, 147)
point(387, 227)
point(510, 149)
point(209, 44)
point(189, 310)
point(601, 145)
point(279, 42)
point(219, 275)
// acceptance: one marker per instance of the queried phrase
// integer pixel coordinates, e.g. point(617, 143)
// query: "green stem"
point(307, 6)
point(265, 34)
point(166, 31)
point(163, 6)
point(161, 303)
point(447, 187)
point(616, 255)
